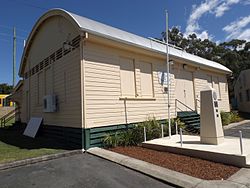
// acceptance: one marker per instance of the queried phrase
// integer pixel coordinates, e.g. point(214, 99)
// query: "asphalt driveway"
point(234, 131)
point(81, 170)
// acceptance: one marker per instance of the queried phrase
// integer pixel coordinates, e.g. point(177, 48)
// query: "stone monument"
point(211, 131)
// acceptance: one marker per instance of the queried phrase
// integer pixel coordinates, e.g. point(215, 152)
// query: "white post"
point(181, 136)
point(145, 136)
point(176, 128)
point(241, 145)
point(162, 132)
point(168, 77)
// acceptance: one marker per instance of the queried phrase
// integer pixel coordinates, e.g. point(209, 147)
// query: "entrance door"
point(184, 90)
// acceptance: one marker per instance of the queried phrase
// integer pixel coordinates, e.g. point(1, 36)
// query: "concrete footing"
point(228, 152)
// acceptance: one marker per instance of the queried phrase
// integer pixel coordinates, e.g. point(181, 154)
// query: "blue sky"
point(218, 20)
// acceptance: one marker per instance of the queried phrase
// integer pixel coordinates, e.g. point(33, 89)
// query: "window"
point(146, 79)
point(248, 95)
point(127, 74)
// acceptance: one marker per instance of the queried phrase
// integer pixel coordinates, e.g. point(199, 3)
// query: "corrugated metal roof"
point(132, 39)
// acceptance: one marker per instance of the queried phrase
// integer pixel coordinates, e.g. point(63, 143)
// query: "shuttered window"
point(216, 86)
point(127, 74)
point(146, 79)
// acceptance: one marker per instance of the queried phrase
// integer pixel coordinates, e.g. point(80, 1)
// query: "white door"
point(184, 91)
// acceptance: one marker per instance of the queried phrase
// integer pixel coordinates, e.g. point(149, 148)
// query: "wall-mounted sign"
point(163, 78)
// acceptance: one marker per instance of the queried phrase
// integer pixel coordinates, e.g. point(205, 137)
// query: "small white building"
point(86, 78)
point(242, 91)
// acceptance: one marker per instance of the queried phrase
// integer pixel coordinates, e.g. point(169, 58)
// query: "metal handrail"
point(197, 100)
point(7, 117)
point(183, 105)
point(9, 113)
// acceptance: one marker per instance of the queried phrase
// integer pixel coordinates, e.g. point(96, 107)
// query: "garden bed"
point(188, 165)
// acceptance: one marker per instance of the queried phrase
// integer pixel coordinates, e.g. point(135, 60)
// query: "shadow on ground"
point(244, 115)
point(13, 135)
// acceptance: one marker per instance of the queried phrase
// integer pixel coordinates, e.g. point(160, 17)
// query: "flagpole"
point(168, 76)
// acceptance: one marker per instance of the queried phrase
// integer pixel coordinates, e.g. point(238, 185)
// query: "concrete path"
point(80, 170)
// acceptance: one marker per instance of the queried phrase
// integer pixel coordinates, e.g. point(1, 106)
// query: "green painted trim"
point(98, 133)
point(83, 139)
point(110, 128)
point(87, 139)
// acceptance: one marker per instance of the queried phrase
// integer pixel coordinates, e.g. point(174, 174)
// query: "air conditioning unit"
point(50, 103)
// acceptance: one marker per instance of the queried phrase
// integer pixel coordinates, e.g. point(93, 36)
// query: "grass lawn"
point(10, 153)
point(14, 146)
point(9, 123)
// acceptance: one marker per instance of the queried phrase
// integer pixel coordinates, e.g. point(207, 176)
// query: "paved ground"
point(82, 170)
point(234, 131)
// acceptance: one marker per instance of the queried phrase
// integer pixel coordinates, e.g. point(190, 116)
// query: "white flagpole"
point(168, 76)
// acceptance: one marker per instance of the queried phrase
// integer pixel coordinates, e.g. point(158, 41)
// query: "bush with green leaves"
point(135, 136)
point(111, 140)
point(153, 128)
point(229, 117)
point(173, 128)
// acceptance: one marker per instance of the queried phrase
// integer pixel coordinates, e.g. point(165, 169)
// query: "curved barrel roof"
point(113, 33)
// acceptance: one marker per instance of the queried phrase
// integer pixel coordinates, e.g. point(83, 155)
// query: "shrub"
point(135, 135)
point(173, 129)
point(225, 118)
point(127, 138)
point(111, 140)
point(235, 117)
point(229, 117)
point(153, 128)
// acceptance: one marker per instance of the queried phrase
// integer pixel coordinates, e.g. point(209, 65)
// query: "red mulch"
point(188, 165)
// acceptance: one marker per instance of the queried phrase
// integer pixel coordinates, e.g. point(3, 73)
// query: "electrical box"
point(211, 131)
point(50, 103)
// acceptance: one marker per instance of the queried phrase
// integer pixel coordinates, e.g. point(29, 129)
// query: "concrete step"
point(191, 118)
point(192, 121)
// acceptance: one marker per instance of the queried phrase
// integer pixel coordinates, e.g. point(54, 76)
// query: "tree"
point(5, 88)
point(233, 44)
point(234, 54)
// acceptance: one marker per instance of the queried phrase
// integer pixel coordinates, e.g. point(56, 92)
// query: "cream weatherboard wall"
point(123, 87)
point(190, 81)
point(107, 77)
point(60, 77)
